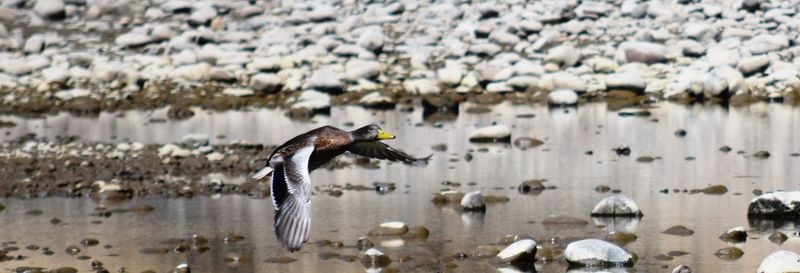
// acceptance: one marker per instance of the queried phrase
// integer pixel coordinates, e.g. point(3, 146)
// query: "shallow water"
point(497, 170)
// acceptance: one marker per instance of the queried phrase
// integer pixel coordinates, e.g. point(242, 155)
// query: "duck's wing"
point(291, 195)
point(380, 150)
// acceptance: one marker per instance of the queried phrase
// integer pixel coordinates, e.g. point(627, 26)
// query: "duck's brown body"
point(294, 160)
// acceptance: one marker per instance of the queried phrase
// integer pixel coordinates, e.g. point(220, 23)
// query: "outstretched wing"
point(379, 150)
point(291, 195)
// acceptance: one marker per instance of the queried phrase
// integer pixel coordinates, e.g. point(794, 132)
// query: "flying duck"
point(291, 163)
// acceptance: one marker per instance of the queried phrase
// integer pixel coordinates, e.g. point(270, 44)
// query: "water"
point(498, 170)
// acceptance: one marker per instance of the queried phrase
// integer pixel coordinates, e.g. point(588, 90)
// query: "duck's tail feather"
point(262, 173)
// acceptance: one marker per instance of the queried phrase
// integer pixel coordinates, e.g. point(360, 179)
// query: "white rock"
point(525, 67)
point(34, 44)
point(594, 252)
point(326, 80)
point(473, 201)
point(691, 48)
point(184, 57)
point(72, 93)
point(720, 56)
point(195, 140)
point(51, 9)
point(215, 156)
point(504, 38)
point(776, 203)
point(751, 65)
point(682, 269)
point(394, 225)
point(192, 72)
point(564, 56)
point(176, 6)
point(266, 83)
point(357, 69)
point(642, 52)
point(486, 49)
point(616, 205)
point(491, 133)
point(765, 43)
point(133, 40)
point(202, 15)
point(371, 38)
point(780, 262)
point(451, 73)
point(313, 100)
point(562, 97)
point(322, 13)
point(17, 67)
point(522, 251)
point(626, 81)
point(421, 86)
point(561, 80)
point(522, 83)
point(238, 92)
point(56, 74)
point(376, 99)
point(496, 87)
point(701, 31)
point(171, 150)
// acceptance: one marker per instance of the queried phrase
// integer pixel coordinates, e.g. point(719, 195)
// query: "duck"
point(292, 162)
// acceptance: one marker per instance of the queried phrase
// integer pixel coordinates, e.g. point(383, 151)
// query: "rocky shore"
point(88, 55)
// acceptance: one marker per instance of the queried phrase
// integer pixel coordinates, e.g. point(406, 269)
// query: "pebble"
point(737, 234)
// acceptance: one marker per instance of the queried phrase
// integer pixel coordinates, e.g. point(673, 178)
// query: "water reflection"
point(497, 170)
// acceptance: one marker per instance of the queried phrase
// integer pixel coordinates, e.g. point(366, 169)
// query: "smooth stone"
point(133, 40)
point(522, 252)
point(447, 197)
point(775, 204)
point(598, 253)
point(682, 269)
point(778, 237)
point(267, 83)
point(494, 133)
point(325, 80)
point(192, 72)
point(766, 43)
point(389, 229)
point(616, 205)
point(50, 9)
point(16, 67)
point(719, 56)
point(561, 80)
point(751, 65)
point(737, 234)
point(700, 31)
point(72, 94)
point(564, 56)
point(780, 262)
point(312, 100)
point(562, 97)
point(374, 258)
point(372, 39)
point(626, 81)
point(729, 253)
point(642, 52)
point(376, 99)
point(34, 44)
point(473, 201)
point(421, 86)
point(678, 230)
point(356, 69)
point(451, 73)
point(533, 185)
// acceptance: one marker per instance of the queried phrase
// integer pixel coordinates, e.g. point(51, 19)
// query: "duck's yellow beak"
point(384, 135)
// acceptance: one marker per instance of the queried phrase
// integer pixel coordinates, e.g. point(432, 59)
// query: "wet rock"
point(448, 197)
point(778, 237)
point(280, 260)
point(485, 251)
point(525, 143)
point(629, 81)
point(494, 133)
point(364, 244)
point(729, 253)
point(72, 250)
point(182, 268)
point(521, 253)
point(617, 205)
point(725, 149)
point(374, 258)
point(564, 222)
point(172, 150)
point(761, 155)
point(775, 204)
point(645, 159)
point(737, 234)
point(64, 270)
point(716, 190)
point(678, 230)
point(780, 262)
point(266, 83)
point(529, 186)
point(680, 133)
point(377, 100)
point(562, 97)
point(473, 201)
point(597, 253)
point(602, 189)
point(682, 269)
point(89, 242)
point(563, 56)
point(417, 233)
point(389, 229)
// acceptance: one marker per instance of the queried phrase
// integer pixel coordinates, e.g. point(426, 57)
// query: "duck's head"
point(370, 132)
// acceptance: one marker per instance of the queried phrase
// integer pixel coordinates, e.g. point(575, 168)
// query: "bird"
point(292, 162)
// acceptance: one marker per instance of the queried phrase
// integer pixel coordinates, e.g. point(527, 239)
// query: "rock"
point(700, 31)
point(761, 154)
point(417, 233)
point(322, 13)
point(389, 229)
point(629, 81)
point(616, 205)
point(484, 49)
point(563, 222)
point(531, 186)
point(202, 14)
point(16, 67)
point(72, 94)
point(752, 6)
point(377, 100)
point(171, 150)
point(525, 143)
point(562, 80)
point(678, 230)
point(451, 73)
point(780, 262)
point(34, 44)
point(357, 69)
point(195, 140)
point(374, 258)
point(372, 39)
point(692, 48)
point(494, 133)
point(312, 100)
point(752, 65)
point(473, 201)
point(597, 253)
point(766, 43)
point(737, 234)
point(521, 253)
point(562, 97)
point(641, 52)
point(778, 237)
point(421, 86)
point(682, 269)
point(325, 80)
point(182, 268)
point(729, 253)
point(50, 9)
point(620, 237)
point(720, 56)
point(133, 40)
point(564, 56)
point(192, 72)
point(266, 83)
point(775, 205)
point(447, 197)
point(530, 26)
